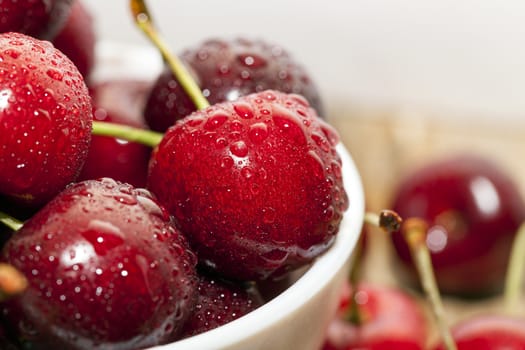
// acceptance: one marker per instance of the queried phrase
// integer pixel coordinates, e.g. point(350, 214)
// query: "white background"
point(466, 56)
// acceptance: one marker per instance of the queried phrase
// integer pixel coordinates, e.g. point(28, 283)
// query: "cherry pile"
point(133, 242)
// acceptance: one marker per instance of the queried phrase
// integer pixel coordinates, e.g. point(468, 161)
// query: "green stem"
point(144, 21)
point(352, 314)
point(129, 133)
point(515, 270)
point(414, 231)
point(11, 222)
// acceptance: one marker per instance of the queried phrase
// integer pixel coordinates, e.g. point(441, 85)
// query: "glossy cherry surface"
point(45, 119)
point(226, 70)
point(255, 184)
point(390, 319)
point(106, 269)
point(474, 210)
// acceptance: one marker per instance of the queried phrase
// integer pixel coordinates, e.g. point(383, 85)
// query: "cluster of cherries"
point(127, 245)
point(109, 263)
point(473, 214)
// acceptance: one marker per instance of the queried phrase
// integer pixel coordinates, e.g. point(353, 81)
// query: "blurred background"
point(450, 57)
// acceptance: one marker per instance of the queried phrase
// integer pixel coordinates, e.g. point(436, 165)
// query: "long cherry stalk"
point(515, 271)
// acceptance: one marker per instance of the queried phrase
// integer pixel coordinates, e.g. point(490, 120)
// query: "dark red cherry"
point(77, 38)
point(106, 269)
point(255, 184)
point(473, 210)
point(37, 18)
point(45, 119)
point(219, 302)
point(226, 70)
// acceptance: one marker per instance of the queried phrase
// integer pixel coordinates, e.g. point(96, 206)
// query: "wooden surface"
point(385, 144)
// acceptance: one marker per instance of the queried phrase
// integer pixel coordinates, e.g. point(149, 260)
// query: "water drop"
point(55, 74)
point(258, 132)
point(243, 110)
point(239, 149)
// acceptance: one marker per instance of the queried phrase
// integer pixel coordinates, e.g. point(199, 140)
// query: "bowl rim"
point(306, 287)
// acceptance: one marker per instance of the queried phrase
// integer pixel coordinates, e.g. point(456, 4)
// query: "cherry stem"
point(515, 271)
point(129, 133)
point(388, 221)
point(144, 21)
point(12, 281)
point(353, 314)
point(414, 231)
point(11, 222)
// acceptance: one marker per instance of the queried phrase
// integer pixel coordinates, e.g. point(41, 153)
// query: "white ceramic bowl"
point(296, 318)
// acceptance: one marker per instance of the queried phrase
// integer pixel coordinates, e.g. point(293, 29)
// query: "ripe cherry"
point(220, 302)
point(226, 70)
point(255, 184)
point(37, 18)
point(45, 119)
point(388, 319)
point(106, 269)
point(473, 210)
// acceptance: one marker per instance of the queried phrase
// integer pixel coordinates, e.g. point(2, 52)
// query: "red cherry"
point(494, 332)
point(473, 210)
point(255, 184)
point(106, 269)
point(218, 303)
point(45, 119)
point(390, 320)
point(37, 18)
point(226, 70)
point(77, 38)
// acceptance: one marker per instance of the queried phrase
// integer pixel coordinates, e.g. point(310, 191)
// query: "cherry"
point(389, 319)
point(77, 38)
point(106, 269)
point(489, 332)
point(45, 119)
point(255, 184)
point(226, 70)
point(116, 101)
point(473, 211)
point(220, 302)
point(37, 18)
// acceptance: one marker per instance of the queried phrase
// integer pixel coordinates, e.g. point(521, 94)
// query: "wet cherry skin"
point(106, 269)
point(45, 119)
point(225, 70)
point(220, 302)
point(255, 184)
point(474, 210)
